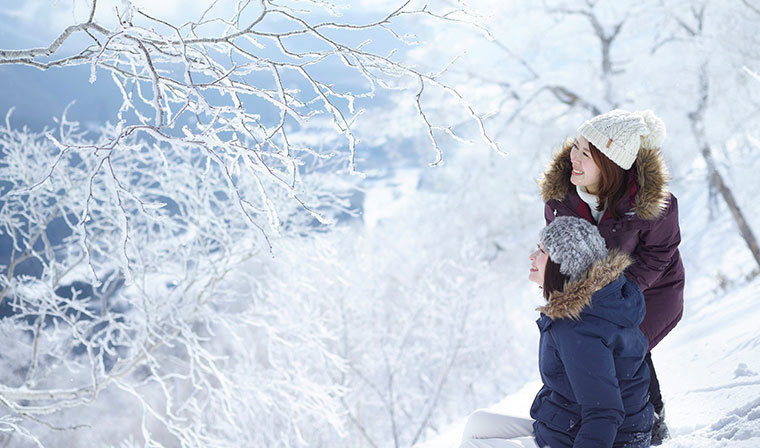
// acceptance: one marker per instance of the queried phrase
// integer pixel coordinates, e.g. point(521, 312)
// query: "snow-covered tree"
point(578, 58)
point(171, 278)
point(140, 296)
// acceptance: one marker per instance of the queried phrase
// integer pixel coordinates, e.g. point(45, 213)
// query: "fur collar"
point(577, 295)
point(652, 178)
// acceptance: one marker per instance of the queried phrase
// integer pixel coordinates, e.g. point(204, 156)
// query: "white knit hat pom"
point(656, 130)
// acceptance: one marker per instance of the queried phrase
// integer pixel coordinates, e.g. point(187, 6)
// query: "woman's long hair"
point(554, 281)
point(614, 182)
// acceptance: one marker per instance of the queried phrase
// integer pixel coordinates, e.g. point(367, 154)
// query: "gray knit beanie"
point(619, 134)
point(573, 243)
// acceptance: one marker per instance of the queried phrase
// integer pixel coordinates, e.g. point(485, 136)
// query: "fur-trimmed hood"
point(615, 298)
point(651, 176)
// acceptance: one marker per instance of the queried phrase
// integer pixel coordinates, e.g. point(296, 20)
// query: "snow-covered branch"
point(140, 273)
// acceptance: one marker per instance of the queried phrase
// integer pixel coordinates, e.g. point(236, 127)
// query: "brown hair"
point(614, 182)
point(554, 280)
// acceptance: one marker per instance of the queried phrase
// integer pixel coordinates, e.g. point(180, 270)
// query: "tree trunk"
point(697, 125)
point(736, 212)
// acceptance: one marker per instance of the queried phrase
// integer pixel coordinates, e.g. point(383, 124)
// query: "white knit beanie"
point(620, 134)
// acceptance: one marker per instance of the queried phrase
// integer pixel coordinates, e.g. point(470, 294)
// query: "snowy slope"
point(709, 370)
point(709, 373)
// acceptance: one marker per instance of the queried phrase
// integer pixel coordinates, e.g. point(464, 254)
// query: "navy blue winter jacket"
point(591, 357)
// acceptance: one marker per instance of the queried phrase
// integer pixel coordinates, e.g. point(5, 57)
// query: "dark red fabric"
point(657, 270)
point(584, 211)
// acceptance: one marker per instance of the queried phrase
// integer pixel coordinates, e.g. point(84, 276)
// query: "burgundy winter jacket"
point(648, 230)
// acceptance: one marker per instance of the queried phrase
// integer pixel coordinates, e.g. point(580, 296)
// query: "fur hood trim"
point(577, 295)
point(652, 178)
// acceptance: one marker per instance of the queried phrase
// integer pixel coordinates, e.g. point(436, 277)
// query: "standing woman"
point(613, 176)
point(591, 351)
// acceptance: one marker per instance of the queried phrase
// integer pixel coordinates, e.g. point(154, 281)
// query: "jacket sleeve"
point(548, 213)
point(590, 369)
point(656, 247)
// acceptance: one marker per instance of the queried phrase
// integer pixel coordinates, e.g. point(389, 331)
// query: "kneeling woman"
point(591, 351)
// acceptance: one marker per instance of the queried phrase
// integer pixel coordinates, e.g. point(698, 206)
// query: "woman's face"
point(585, 172)
point(538, 261)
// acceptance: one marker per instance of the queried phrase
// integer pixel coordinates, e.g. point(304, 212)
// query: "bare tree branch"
point(751, 6)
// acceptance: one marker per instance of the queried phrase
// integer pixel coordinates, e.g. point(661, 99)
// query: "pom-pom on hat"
point(619, 134)
point(574, 244)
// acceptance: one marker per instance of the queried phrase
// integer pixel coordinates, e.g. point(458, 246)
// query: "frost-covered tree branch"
point(139, 270)
point(235, 88)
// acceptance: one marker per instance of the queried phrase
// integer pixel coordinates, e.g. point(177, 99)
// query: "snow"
point(707, 372)
point(516, 404)
point(388, 199)
point(444, 253)
point(707, 369)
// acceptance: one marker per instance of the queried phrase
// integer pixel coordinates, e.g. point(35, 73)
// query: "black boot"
point(660, 429)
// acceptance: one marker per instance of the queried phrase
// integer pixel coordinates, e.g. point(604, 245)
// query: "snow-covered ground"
point(709, 370)
point(709, 373)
